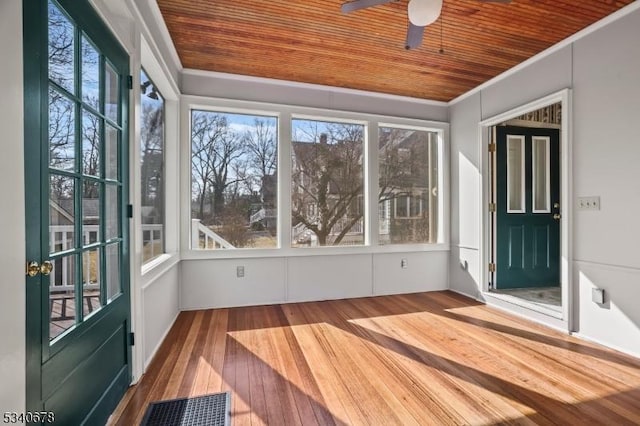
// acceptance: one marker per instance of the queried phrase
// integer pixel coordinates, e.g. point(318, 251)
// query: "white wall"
point(160, 300)
point(12, 246)
point(465, 196)
point(290, 275)
point(219, 85)
point(606, 157)
point(602, 68)
point(214, 284)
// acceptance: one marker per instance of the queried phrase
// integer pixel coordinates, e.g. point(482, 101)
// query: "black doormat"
point(207, 410)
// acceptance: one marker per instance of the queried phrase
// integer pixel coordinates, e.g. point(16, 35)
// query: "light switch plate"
point(589, 203)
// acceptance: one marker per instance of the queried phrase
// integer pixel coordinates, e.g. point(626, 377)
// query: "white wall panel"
point(606, 147)
point(465, 172)
point(214, 283)
point(219, 85)
point(329, 277)
point(160, 306)
point(615, 323)
point(423, 272)
point(12, 247)
point(548, 75)
point(464, 271)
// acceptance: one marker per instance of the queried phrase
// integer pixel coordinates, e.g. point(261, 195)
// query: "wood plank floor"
point(419, 359)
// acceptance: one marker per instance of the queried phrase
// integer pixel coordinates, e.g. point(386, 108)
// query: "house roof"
point(311, 41)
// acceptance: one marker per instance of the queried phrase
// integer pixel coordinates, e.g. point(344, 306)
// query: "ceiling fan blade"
point(361, 4)
point(414, 36)
point(495, 1)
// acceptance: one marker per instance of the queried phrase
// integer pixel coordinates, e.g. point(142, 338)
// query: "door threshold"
point(557, 314)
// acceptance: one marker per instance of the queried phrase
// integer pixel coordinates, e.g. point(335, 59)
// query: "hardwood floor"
point(419, 359)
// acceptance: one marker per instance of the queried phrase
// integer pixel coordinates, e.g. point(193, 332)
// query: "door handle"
point(46, 268)
point(557, 216)
point(33, 268)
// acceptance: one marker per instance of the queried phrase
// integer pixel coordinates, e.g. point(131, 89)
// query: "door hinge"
point(492, 147)
point(132, 339)
point(492, 207)
point(130, 82)
point(492, 267)
point(130, 211)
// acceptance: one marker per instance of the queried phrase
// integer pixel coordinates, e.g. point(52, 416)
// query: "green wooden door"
point(527, 207)
point(78, 312)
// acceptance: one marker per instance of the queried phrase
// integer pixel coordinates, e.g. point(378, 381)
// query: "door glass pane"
point(515, 174)
point(90, 74)
point(112, 209)
point(111, 93)
point(61, 213)
point(541, 175)
point(113, 271)
point(91, 263)
point(90, 210)
point(61, 131)
point(111, 152)
point(61, 49)
point(90, 144)
point(62, 296)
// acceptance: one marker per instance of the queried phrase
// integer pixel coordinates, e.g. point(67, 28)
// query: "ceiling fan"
point(420, 12)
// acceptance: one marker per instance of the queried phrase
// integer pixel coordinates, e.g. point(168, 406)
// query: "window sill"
point(157, 266)
point(315, 251)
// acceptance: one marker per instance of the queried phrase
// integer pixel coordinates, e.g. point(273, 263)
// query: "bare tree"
point(61, 48)
point(61, 131)
point(215, 149)
point(262, 149)
point(90, 144)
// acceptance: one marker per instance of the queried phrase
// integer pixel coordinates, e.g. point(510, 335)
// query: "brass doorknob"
point(46, 268)
point(33, 268)
point(557, 216)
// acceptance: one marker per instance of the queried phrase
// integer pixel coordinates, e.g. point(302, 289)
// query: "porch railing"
point(61, 238)
point(203, 237)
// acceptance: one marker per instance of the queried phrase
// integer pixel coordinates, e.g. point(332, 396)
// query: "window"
point(152, 143)
point(300, 180)
point(408, 178)
point(233, 180)
point(327, 183)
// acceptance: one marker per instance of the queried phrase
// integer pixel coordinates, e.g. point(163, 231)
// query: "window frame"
point(156, 71)
point(164, 172)
point(285, 114)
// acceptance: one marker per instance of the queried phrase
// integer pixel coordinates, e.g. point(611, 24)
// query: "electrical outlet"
point(240, 271)
point(404, 263)
point(589, 203)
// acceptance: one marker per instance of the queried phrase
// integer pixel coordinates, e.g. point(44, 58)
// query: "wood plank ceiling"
point(311, 41)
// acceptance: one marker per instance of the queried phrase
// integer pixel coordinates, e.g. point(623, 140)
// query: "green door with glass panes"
point(78, 309)
point(528, 207)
